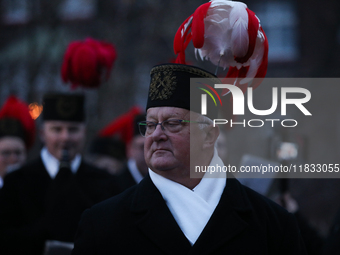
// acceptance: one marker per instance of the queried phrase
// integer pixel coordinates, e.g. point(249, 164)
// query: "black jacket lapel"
point(227, 220)
point(156, 221)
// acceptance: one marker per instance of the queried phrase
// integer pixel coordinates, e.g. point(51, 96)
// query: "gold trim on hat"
point(162, 85)
point(183, 68)
point(164, 81)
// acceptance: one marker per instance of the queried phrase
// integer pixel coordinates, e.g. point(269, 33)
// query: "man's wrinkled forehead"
point(166, 112)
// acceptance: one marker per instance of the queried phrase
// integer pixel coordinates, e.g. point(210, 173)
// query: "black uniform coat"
point(35, 208)
point(138, 221)
point(332, 243)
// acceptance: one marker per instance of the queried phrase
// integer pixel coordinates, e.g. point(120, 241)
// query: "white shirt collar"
point(132, 166)
point(52, 164)
point(191, 209)
point(1, 182)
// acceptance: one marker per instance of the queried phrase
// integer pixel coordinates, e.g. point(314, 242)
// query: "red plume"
point(88, 63)
point(122, 126)
point(14, 108)
point(197, 29)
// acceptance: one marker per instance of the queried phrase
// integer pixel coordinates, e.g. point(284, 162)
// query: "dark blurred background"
point(304, 40)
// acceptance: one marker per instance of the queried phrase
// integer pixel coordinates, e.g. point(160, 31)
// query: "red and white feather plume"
point(229, 35)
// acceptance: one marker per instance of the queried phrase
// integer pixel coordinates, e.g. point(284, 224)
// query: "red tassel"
point(178, 41)
point(197, 29)
point(181, 42)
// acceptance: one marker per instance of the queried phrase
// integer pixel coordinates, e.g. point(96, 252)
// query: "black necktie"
point(64, 167)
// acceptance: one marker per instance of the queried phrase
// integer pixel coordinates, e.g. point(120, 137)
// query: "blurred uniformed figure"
point(44, 200)
point(108, 153)
point(119, 148)
point(135, 168)
point(17, 135)
point(332, 242)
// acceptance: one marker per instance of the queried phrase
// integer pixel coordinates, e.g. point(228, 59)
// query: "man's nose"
point(65, 135)
point(14, 157)
point(159, 134)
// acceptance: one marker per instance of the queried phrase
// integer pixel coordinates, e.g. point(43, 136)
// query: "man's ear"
point(211, 136)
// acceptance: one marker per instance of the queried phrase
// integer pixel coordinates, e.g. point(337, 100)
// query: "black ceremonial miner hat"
point(12, 127)
point(64, 107)
point(170, 86)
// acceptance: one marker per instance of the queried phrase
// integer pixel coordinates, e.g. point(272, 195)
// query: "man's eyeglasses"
point(146, 128)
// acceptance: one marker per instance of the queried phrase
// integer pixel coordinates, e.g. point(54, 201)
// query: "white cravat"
point(52, 164)
point(191, 209)
point(132, 166)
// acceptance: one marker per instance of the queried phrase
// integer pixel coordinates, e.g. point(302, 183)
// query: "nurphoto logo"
point(239, 104)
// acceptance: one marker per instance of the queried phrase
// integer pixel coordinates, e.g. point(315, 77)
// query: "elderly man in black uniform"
point(44, 199)
point(170, 213)
point(17, 135)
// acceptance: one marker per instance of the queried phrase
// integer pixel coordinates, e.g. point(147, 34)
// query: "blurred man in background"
point(108, 153)
point(136, 167)
point(43, 200)
point(119, 148)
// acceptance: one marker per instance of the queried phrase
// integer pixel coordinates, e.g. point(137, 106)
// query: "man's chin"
point(71, 155)
point(161, 165)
